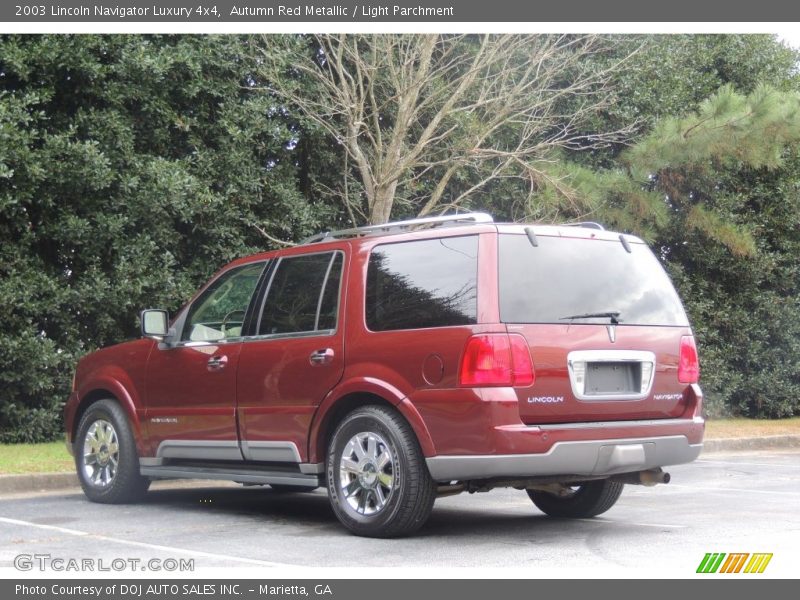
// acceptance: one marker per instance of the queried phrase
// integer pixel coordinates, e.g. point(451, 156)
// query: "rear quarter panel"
point(413, 369)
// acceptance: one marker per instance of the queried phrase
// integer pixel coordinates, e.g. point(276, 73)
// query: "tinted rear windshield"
point(563, 278)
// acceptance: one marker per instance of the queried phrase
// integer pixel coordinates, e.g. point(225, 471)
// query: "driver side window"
point(218, 313)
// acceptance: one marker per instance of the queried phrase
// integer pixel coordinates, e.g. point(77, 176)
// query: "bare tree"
point(414, 112)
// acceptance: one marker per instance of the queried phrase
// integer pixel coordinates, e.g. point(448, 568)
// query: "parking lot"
point(742, 502)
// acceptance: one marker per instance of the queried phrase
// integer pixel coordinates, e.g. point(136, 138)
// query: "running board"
point(226, 474)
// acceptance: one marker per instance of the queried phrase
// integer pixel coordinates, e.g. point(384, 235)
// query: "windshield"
point(565, 280)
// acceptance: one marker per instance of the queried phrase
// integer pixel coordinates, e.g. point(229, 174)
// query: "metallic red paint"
point(268, 390)
point(549, 346)
point(187, 401)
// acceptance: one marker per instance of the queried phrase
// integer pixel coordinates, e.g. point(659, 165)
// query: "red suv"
point(395, 363)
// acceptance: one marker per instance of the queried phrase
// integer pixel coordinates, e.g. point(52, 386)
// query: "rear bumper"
point(588, 457)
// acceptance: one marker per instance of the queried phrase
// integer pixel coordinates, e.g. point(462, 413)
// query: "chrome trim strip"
point(283, 336)
point(200, 343)
point(593, 457)
point(200, 450)
point(612, 355)
point(268, 451)
point(616, 424)
point(595, 356)
point(271, 451)
point(249, 338)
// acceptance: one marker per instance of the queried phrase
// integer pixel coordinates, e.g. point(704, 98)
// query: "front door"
point(295, 359)
point(191, 385)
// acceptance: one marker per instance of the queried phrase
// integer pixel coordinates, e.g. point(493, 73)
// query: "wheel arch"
point(336, 406)
point(118, 394)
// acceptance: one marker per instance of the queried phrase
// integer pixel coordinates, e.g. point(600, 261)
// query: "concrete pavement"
point(723, 502)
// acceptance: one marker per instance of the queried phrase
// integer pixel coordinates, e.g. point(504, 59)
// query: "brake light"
point(496, 359)
point(688, 363)
point(522, 364)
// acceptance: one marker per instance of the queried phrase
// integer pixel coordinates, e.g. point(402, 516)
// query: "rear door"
point(603, 324)
point(297, 356)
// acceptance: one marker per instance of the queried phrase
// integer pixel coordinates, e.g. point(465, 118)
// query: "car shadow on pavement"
point(312, 508)
point(249, 501)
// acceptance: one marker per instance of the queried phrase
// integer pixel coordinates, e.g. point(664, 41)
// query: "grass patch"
point(18, 459)
point(735, 428)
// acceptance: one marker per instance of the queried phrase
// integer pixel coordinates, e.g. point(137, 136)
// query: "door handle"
point(217, 363)
point(321, 357)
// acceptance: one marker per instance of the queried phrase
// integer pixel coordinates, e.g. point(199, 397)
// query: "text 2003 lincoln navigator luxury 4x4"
point(395, 363)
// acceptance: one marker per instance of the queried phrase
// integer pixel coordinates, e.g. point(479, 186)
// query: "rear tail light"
point(688, 364)
point(496, 359)
point(521, 362)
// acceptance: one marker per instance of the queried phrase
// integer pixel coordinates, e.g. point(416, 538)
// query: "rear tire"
point(106, 457)
point(378, 482)
point(588, 499)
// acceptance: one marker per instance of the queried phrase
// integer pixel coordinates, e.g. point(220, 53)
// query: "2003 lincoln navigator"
point(394, 363)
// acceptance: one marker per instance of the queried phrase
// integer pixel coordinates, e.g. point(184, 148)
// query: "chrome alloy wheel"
point(100, 453)
point(367, 473)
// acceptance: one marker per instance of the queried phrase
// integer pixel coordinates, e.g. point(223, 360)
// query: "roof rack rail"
point(398, 226)
point(587, 224)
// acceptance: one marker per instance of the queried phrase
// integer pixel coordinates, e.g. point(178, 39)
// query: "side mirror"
point(155, 323)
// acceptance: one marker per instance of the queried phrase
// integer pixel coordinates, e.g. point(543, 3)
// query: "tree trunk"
point(381, 209)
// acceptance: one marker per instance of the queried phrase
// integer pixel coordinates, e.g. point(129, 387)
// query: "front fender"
point(117, 383)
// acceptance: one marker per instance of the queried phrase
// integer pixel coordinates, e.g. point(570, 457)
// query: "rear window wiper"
point(596, 315)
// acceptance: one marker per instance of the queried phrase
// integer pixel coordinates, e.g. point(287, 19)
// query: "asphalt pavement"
point(723, 502)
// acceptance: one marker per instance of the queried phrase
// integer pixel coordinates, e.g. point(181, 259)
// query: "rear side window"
point(428, 283)
point(303, 295)
point(563, 279)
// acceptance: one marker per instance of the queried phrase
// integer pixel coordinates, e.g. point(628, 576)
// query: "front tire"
point(378, 482)
point(106, 457)
point(585, 500)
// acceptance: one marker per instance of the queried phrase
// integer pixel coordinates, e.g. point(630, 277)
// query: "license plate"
point(613, 378)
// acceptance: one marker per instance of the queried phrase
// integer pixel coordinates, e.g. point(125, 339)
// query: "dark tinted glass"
point(562, 277)
point(293, 299)
point(430, 283)
point(219, 311)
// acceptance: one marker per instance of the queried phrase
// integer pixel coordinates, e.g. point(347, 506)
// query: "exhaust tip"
point(649, 478)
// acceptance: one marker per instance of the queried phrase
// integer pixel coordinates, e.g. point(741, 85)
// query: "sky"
point(791, 38)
